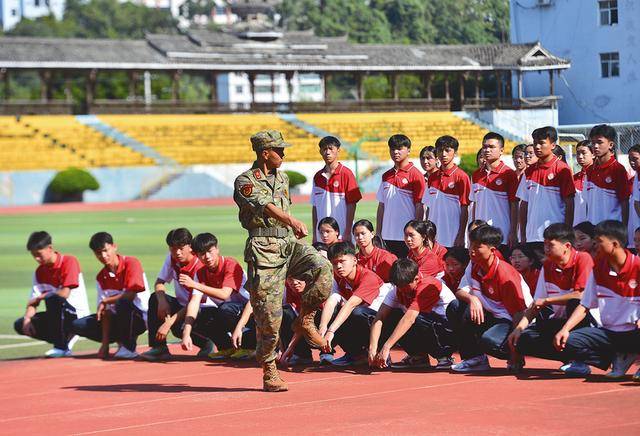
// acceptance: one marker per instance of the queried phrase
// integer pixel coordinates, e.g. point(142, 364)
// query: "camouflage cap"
point(265, 139)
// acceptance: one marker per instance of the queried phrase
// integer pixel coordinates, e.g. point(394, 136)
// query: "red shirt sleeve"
point(565, 182)
point(232, 275)
point(369, 287)
point(623, 188)
point(70, 272)
point(584, 266)
point(427, 296)
point(512, 185)
point(418, 186)
point(133, 276)
point(512, 297)
point(465, 188)
point(352, 191)
point(383, 268)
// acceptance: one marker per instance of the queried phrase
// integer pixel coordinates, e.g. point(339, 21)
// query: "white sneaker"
point(621, 364)
point(57, 352)
point(125, 354)
point(475, 364)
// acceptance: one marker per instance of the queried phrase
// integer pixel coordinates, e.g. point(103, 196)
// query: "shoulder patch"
point(246, 190)
point(257, 174)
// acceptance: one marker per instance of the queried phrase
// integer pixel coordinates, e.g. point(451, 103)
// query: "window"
point(239, 89)
point(310, 89)
point(36, 3)
point(608, 12)
point(610, 64)
point(14, 12)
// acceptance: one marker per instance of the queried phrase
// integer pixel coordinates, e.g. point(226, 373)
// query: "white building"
point(602, 41)
point(235, 88)
point(12, 11)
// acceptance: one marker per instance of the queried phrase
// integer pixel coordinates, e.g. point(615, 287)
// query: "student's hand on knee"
point(163, 308)
point(27, 328)
point(560, 339)
point(187, 343)
point(236, 338)
point(513, 338)
point(163, 331)
point(101, 311)
point(476, 310)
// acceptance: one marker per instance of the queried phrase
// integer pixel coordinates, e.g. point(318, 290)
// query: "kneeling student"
point(217, 298)
point(123, 299)
point(612, 288)
point(491, 300)
point(59, 283)
point(413, 314)
point(560, 286)
point(360, 293)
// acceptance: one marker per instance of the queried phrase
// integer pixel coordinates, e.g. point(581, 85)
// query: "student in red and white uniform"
point(329, 231)
point(520, 164)
point(456, 260)
point(527, 263)
point(413, 315)
point(428, 161)
point(217, 299)
point(493, 190)
point(59, 283)
point(634, 188)
point(399, 196)
point(335, 191)
point(613, 289)
point(546, 190)
point(347, 313)
point(180, 260)
point(123, 299)
point(606, 185)
point(491, 300)
point(562, 281)
point(447, 198)
point(584, 157)
point(420, 237)
point(370, 255)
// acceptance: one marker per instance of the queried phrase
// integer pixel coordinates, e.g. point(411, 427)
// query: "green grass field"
point(139, 233)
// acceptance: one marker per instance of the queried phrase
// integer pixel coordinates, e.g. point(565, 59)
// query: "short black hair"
point(612, 229)
point(547, 132)
point(328, 141)
point(488, 235)
point(179, 237)
point(634, 149)
point(530, 254)
point(494, 135)
point(403, 271)
point(458, 253)
point(585, 143)
point(203, 242)
point(475, 224)
point(427, 229)
point(39, 240)
point(99, 240)
point(560, 232)
point(428, 149)
point(398, 141)
point(331, 221)
point(519, 147)
point(341, 249)
point(586, 227)
point(447, 141)
point(605, 130)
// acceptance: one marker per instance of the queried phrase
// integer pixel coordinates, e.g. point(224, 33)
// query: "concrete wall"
point(571, 29)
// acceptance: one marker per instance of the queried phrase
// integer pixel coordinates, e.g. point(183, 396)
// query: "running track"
point(84, 395)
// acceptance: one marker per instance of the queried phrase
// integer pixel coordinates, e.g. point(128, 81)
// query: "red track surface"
point(85, 395)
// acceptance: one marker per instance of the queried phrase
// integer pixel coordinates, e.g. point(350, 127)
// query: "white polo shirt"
point(331, 193)
point(616, 295)
point(171, 271)
point(400, 191)
point(447, 192)
point(543, 187)
point(606, 188)
point(492, 191)
point(580, 200)
point(129, 277)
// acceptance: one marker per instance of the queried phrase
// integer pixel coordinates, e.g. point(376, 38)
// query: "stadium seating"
point(373, 129)
point(208, 139)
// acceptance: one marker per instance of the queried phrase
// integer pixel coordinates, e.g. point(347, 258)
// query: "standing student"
point(58, 283)
point(491, 300)
point(493, 190)
point(530, 157)
point(527, 262)
point(455, 260)
point(360, 293)
point(370, 255)
point(607, 186)
point(166, 312)
point(447, 198)
point(217, 297)
point(546, 191)
point(420, 237)
point(634, 189)
point(413, 315)
point(335, 191)
point(428, 161)
point(517, 154)
point(613, 289)
point(561, 284)
point(584, 157)
point(399, 196)
point(123, 299)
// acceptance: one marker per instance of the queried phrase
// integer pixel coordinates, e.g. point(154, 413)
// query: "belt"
point(274, 232)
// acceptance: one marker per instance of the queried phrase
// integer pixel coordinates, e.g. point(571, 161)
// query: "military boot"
point(271, 381)
point(306, 326)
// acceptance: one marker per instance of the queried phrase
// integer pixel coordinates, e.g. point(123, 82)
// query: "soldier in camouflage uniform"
point(272, 253)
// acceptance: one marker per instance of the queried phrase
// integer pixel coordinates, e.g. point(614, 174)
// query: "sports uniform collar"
point(405, 169)
point(543, 165)
point(493, 268)
point(218, 269)
point(626, 268)
point(605, 165)
point(498, 169)
point(369, 256)
point(58, 263)
point(336, 172)
point(188, 268)
point(356, 278)
point(450, 171)
point(119, 268)
point(572, 260)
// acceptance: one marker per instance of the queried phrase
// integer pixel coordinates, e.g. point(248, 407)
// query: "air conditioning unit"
point(544, 3)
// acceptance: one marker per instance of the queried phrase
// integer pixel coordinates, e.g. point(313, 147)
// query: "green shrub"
point(468, 163)
point(295, 178)
point(73, 181)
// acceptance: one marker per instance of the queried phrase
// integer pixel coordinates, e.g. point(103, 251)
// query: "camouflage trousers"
point(266, 287)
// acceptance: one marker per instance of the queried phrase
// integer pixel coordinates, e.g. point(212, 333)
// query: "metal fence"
point(628, 134)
